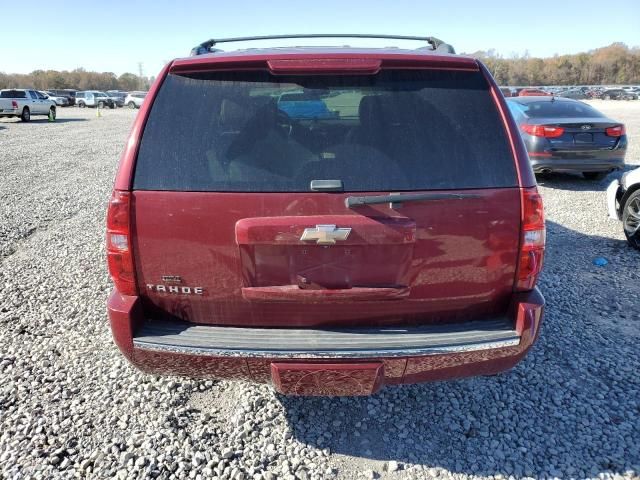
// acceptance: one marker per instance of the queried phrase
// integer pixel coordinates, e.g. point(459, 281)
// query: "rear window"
point(557, 108)
point(13, 94)
point(255, 132)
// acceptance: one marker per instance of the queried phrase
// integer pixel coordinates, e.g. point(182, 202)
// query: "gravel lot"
point(71, 406)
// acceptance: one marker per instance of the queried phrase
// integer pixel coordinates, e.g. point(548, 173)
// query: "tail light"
point(119, 258)
point(543, 130)
point(616, 131)
point(532, 242)
point(14, 104)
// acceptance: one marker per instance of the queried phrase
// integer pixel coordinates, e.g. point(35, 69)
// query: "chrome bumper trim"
point(279, 354)
point(282, 343)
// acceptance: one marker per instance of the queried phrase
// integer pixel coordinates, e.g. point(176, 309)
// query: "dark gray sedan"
point(564, 135)
point(575, 93)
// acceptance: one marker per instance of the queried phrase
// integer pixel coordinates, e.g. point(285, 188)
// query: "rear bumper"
point(327, 362)
point(559, 164)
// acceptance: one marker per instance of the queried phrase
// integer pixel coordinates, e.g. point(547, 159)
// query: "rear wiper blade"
point(398, 198)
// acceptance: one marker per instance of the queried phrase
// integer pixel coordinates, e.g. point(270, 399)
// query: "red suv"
point(394, 236)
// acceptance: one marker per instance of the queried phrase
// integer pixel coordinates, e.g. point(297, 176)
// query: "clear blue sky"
point(114, 36)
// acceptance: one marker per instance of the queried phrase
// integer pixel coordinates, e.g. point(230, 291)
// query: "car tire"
point(595, 175)
point(631, 219)
point(25, 116)
point(131, 105)
point(112, 106)
point(81, 105)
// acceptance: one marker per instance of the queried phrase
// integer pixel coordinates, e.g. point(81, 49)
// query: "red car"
point(533, 92)
point(397, 240)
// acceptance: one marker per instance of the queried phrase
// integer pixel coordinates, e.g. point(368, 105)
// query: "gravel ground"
point(71, 406)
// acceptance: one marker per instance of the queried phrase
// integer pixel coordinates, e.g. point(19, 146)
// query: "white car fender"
point(631, 178)
point(616, 187)
point(612, 204)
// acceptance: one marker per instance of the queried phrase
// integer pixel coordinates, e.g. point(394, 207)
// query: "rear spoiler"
point(278, 63)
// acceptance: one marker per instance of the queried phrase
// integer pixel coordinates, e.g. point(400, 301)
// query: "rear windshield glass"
point(255, 132)
point(557, 108)
point(13, 94)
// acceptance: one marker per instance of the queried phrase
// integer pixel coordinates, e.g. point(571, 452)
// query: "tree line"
point(616, 64)
point(78, 79)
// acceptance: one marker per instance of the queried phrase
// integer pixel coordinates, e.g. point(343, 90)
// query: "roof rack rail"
point(207, 47)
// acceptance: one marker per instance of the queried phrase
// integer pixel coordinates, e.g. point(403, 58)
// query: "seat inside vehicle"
point(389, 139)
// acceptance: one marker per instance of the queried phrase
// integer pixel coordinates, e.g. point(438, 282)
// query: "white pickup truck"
point(16, 102)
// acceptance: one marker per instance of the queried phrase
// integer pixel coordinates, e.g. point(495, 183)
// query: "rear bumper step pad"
point(286, 343)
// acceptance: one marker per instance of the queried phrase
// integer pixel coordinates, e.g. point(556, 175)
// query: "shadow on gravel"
point(570, 409)
point(576, 182)
point(58, 120)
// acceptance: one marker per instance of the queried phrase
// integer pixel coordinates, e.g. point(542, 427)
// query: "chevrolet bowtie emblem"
point(325, 234)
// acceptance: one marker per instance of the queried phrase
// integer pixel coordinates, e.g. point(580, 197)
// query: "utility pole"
point(140, 76)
